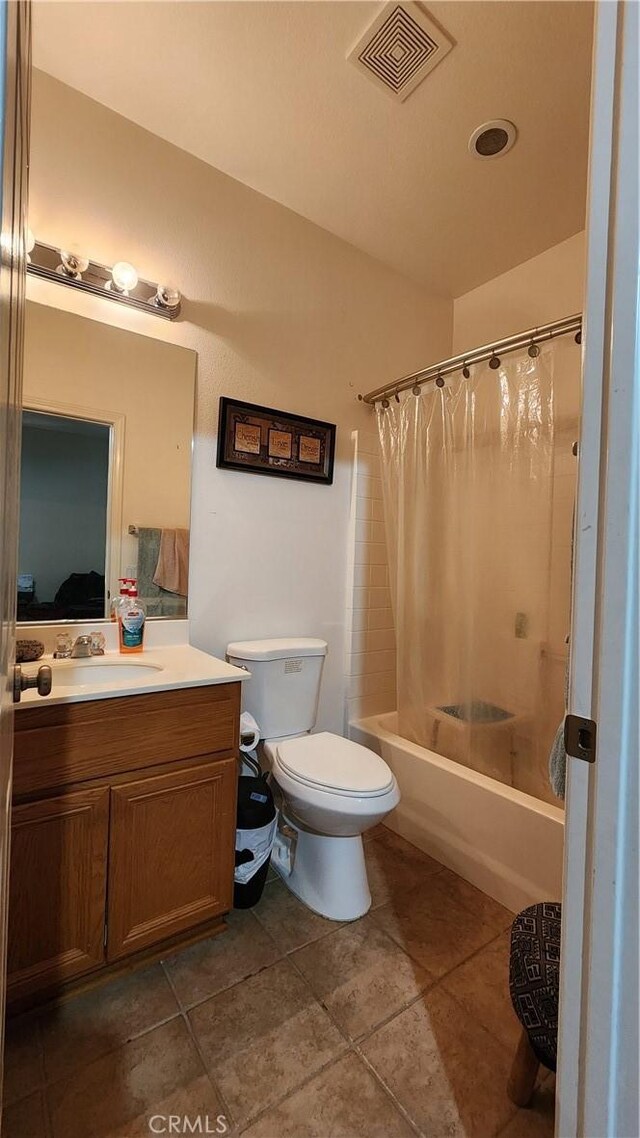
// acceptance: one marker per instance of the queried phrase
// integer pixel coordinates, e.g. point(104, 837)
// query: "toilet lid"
point(333, 763)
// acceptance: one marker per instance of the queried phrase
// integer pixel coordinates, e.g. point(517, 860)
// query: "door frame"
point(15, 106)
point(598, 1030)
point(115, 491)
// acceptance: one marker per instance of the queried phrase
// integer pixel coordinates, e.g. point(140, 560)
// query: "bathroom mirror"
point(106, 468)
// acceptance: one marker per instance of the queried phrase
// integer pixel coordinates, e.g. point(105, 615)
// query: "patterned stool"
point(534, 985)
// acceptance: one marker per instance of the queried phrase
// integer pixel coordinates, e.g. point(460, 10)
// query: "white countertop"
point(152, 670)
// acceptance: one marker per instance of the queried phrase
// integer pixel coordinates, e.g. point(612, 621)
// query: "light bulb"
point(123, 277)
point(73, 264)
point(167, 297)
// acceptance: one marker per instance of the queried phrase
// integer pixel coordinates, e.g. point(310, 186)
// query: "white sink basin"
point(97, 672)
point(159, 668)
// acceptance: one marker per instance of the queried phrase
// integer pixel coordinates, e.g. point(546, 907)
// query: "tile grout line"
point(415, 960)
point(53, 1082)
point(429, 988)
point(184, 1014)
point(357, 1040)
point(296, 1090)
point(208, 1073)
point(347, 1038)
point(389, 1093)
point(48, 1112)
point(346, 1049)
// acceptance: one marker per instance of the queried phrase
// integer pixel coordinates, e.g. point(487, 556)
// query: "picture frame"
point(262, 440)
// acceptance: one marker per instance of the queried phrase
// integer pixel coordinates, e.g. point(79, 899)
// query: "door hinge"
point(580, 738)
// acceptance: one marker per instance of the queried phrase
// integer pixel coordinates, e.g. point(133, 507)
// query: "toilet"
point(332, 789)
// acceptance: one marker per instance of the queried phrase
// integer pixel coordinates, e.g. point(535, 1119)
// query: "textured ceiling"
point(263, 92)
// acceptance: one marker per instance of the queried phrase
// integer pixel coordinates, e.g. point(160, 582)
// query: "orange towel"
point(172, 570)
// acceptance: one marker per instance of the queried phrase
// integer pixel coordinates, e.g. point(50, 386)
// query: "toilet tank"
point(282, 693)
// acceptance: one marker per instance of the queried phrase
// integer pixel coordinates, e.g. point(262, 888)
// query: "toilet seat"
point(335, 765)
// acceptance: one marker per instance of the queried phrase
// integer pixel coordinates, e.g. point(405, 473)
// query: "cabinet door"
point(171, 854)
point(57, 889)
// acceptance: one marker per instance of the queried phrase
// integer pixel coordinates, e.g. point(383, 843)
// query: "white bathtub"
point(506, 842)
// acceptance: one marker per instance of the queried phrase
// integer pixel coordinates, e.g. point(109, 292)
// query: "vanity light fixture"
point(120, 283)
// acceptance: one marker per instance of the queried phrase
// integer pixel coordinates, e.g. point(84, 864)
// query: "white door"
point(14, 131)
point(598, 1040)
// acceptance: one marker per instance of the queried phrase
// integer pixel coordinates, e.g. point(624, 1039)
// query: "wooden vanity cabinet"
point(57, 891)
point(171, 854)
point(123, 825)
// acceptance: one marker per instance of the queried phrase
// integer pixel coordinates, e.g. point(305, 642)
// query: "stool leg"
point(524, 1071)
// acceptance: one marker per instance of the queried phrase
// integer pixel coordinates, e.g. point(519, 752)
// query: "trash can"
point(255, 834)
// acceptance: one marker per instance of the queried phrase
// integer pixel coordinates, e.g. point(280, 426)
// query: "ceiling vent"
point(399, 49)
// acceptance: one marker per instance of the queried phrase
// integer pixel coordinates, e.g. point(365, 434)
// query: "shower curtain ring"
point(416, 389)
point(494, 362)
point(578, 336)
point(385, 404)
point(533, 350)
point(439, 381)
point(466, 370)
point(396, 395)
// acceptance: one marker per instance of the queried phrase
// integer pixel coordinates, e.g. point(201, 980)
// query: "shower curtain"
point(467, 475)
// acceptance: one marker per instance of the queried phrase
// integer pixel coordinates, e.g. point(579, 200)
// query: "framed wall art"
point(260, 440)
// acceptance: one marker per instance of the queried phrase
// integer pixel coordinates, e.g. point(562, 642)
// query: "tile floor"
point(290, 1026)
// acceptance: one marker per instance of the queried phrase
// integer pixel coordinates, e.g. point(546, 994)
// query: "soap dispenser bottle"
point(131, 621)
point(118, 600)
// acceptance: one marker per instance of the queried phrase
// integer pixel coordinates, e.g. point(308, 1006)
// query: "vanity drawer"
point(70, 743)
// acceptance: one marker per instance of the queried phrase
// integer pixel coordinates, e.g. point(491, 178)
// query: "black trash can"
point(255, 833)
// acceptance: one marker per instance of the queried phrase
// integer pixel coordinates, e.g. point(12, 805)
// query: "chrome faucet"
point(81, 648)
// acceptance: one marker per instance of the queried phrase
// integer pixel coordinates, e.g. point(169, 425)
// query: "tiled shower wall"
point(371, 647)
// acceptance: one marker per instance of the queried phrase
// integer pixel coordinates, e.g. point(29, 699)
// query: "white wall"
point(540, 290)
point(280, 313)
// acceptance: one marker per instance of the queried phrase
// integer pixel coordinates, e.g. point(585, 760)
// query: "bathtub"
point(506, 842)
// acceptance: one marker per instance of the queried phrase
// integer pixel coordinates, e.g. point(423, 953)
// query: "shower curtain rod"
point(476, 356)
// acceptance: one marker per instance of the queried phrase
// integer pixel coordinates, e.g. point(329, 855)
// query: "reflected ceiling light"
point(124, 278)
point(29, 244)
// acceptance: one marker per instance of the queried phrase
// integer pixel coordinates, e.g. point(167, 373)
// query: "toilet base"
point(328, 874)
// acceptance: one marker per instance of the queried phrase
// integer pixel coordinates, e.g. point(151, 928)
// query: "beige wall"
point(280, 313)
point(538, 291)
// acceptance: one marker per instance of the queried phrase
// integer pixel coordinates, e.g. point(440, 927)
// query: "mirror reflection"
point(106, 469)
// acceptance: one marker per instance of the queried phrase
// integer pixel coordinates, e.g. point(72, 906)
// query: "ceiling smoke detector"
point(399, 49)
point(492, 138)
